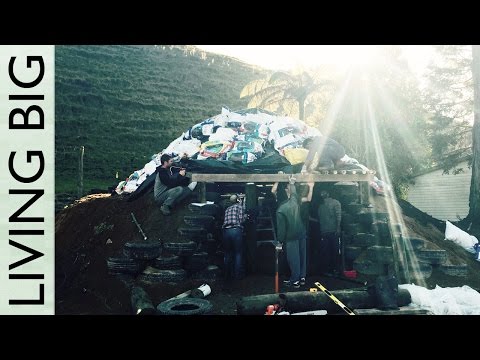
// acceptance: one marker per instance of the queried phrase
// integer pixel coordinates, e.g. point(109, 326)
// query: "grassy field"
point(126, 103)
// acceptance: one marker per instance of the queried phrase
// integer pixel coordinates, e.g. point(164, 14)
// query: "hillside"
point(125, 103)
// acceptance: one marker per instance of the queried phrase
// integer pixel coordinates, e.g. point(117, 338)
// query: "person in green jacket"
point(290, 231)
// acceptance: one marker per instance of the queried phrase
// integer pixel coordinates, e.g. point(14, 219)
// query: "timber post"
point(251, 203)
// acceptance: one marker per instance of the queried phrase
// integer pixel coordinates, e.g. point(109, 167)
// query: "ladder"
point(266, 229)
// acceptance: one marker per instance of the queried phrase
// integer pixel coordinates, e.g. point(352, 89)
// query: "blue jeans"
point(329, 252)
point(233, 247)
point(173, 196)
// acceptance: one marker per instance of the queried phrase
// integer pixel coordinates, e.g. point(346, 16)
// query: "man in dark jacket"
point(329, 217)
point(289, 233)
point(329, 153)
point(171, 185)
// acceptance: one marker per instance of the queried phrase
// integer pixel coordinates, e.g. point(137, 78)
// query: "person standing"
point(329, 217)
point(171, 186)
point(290, 232)
point(304, 204)
point(233, 244)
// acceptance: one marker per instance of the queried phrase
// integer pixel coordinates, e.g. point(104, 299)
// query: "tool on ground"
point(278, 248)
point(201, 292)
point(138, 226)
point(313, 289)
point(334, 299)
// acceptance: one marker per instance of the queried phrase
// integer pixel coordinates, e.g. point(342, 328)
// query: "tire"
point(460, 270)
point(143, 250)
point(369, 267)
point(196, 262)
point(168, 262)
point(367, 218)
point(419, 270)
point(432, 256)
point(353, 228)
point(380, 254)
point(381, 228)
point(364, 240)
point(210, 209)
point(185, 306)
point(181, 248)
point(197, 232)
point(210, 246)
point(154, 275)
point(212, 272)
point(123, 265)
point(352, 252)
point(205, 221)
point(353, 209)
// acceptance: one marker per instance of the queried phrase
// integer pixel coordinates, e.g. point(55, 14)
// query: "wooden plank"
point(310, 177)
point(405, 310)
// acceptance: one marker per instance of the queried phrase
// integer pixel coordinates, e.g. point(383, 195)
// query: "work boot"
point(165, 210)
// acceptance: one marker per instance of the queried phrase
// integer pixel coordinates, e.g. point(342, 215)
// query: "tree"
point(449, 99)
point(282, 91)
point(474, 213)
point(378, 118)
point(454, 90)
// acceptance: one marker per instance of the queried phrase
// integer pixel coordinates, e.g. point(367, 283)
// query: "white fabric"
point(460, 237)
point(150, 167)
point(223, 134)
point(445, 301)
point(180, 147)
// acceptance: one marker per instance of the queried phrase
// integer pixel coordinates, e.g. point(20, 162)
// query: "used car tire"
point(185, 306)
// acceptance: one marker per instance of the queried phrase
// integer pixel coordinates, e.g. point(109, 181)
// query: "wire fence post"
point(80, 172)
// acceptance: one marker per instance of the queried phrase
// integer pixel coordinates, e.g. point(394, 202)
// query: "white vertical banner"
point(27, 192)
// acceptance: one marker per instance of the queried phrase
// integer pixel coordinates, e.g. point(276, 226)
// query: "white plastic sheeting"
point(445, 301)
point(460, 237)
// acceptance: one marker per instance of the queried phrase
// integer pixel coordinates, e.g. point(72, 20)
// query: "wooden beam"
point(309, 177)
point(307, 301)
point(202, 192)
point(404, 310)
point(251, 203)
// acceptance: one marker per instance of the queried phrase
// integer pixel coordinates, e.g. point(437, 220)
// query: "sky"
point(286, 57)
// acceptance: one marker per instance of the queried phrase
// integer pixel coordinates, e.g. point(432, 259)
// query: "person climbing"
point(329, 153)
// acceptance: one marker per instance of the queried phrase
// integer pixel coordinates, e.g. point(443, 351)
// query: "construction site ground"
point(96, 227)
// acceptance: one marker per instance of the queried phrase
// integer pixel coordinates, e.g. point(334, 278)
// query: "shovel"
point(138, 226)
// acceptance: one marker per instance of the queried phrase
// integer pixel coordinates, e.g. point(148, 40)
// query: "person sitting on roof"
point(171, 186)
point(329, 153)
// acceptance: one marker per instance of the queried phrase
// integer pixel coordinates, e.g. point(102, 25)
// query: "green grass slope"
point(125, 103)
